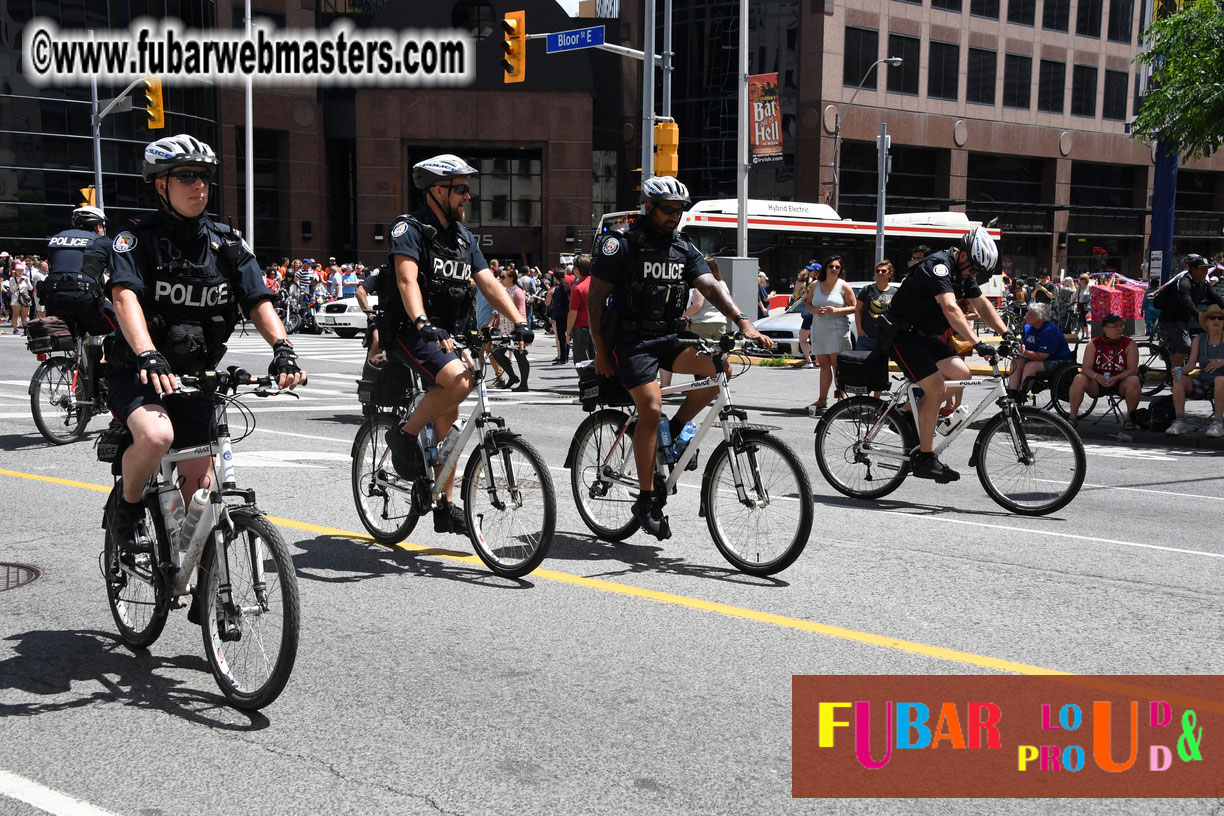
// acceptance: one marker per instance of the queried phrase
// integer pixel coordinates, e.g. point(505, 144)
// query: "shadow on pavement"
point(17, 442)
point(914, 508)
point(60, 667)
point(341, 560)
point(644, 558)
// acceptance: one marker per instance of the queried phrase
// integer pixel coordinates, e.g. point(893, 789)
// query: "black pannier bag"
point(595, 390)
point(859, 372)
point(47, 335)
point(386, 384)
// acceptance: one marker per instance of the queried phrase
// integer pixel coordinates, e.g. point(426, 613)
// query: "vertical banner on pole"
point(765, 118)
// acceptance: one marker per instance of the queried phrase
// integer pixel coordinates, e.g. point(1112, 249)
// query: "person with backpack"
point(1180, 301)
point(1111, 363)
point(1204, 374)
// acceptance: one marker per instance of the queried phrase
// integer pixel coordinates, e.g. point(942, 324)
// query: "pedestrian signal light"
point(155, 109)
point(89, 196)
point(666, 149)
point(514, 63)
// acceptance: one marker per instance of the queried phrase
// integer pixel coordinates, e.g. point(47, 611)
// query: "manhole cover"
point(17, 575)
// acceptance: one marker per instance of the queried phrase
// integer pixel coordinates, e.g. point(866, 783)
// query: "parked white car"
point(343, 316)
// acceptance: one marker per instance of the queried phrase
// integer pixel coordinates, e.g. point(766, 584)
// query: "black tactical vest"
point(444, 276)
point(66, 262)
point(654, 292)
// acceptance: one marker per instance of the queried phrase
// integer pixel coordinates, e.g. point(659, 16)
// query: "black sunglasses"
point(461, 189)
point(669, 209)
point(1216, 317)
point(192, 176)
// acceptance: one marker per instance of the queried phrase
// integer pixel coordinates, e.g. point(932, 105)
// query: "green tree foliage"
point(1184, 105)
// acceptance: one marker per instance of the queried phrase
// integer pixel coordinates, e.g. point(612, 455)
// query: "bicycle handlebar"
point(219, 382)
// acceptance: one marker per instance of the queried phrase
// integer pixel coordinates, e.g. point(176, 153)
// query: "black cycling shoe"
point(406, 455)
point(195, 613)
point(650, 516)
point(928, 466)
point(449, 519)
point(126, 528)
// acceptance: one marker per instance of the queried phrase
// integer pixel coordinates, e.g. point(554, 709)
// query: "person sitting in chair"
point(1111, 364)
point(1045, 348)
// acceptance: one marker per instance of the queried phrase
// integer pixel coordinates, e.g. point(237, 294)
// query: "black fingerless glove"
point(432, 334)
point(985, 350)
point(522, 333)
point(153, 363)
point(284, 360)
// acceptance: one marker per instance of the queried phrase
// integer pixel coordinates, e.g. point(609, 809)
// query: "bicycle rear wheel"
point(511, 507)
point(383, 499)
point(603, 474)
point(1062, 393)
point(53, 402)
point(135, 591)
point(1155, 367)
point(251, 643)
point(1030, 462)
point(853, 466)
point(766, 530)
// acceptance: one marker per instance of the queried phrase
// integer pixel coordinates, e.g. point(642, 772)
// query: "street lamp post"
point(891, 61)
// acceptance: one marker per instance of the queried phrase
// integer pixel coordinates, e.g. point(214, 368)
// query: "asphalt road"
point(645, 677)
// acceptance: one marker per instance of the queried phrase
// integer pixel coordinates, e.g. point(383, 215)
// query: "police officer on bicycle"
point(76, 259)
point(923, 308)
point(424, 295)
point(180, 283)
point(647, 271)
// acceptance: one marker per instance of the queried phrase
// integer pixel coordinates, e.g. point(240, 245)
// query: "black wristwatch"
point(739, 317)
point(420, 319)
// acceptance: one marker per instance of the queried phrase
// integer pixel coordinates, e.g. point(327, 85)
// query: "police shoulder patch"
point(399, 229)
point(940, 271)
point(611, 246)
point(125, 242)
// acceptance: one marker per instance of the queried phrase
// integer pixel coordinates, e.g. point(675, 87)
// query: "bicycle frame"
point(721, 412)
point(905, 394)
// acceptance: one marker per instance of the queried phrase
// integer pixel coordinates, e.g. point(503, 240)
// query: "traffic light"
point(666, 149)
point(155, 109)
point(514, 63)
point(89, 196)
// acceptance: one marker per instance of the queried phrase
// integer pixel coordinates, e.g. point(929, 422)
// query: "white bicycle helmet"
point(982, 251)
point(86, 218)
point(440, 168)
point(664, 188)
point(171, 152)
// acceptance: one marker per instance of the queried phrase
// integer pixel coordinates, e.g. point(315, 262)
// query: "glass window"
point(1115, 95)
point(1138, 101)
point(1056, 15)
point(1017, 81)
point(947, 5)
point(1050, 84)
point(1083, 90)
point(862, 48)
point(980, 81)
point(1121, 17)
point(903, 78)
point(1088, 18)
point(984, 8)
point(1023, 12)
point(944, 71)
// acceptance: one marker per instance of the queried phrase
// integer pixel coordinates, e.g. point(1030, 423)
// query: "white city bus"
point(785, 235)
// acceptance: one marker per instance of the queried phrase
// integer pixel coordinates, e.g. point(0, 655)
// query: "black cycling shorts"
point(918, 355)
point(87, 311)
point(190, 414)
point(424, 356)
point(638, 359)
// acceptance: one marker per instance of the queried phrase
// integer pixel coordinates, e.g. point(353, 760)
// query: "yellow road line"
point(896, 644)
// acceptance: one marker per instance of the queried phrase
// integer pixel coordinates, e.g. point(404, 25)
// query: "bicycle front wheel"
point(135, 591)
point(854, 466)
point(53, 402)
point(510, 505)
point(384, 501)
point(763, 529)
point(603, 475)
point(251, 641)
point(1155, 368)
point(1030, 462)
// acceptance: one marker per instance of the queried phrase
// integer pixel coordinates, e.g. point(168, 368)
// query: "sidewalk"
point(791, 390)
